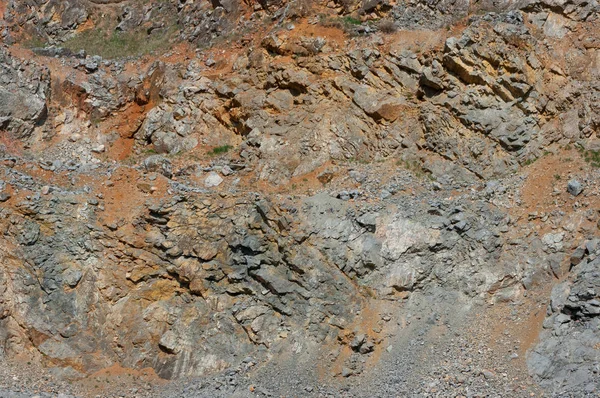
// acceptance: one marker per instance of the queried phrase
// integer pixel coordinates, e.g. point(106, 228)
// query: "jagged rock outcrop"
point(566, 359)
point(189, 283)
point(315, 191)
point(24, 91)
point(492, 99)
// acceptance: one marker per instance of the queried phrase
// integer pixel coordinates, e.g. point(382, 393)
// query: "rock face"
point(318, 195)
point(24, 88)
point(230, 275)
point(481, 102)
point(566, 357)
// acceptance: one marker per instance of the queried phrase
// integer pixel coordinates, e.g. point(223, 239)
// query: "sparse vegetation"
point(34, 42)
point(348, 23)
point(415, 167)
point(592, 158)
point(220, 150)
point(557, 177)
point(357, 160)
point(351, 20)
point(110, 44)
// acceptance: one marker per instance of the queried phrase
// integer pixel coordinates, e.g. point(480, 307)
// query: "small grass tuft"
point(351, 20)
point(220, 150)
point(592, 158)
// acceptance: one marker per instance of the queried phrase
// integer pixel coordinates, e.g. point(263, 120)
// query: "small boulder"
point(213, 180)
point(226, 170)
point(169, 343)
point(574, 187)
point(98, 148)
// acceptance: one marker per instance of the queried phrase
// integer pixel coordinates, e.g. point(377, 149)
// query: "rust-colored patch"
point(545, 188)
point(547, 173)
point(87, 25)
point(121, 149)
point(123, 200)
point(532, 327)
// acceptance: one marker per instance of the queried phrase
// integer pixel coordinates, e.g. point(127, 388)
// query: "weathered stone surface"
point(566, 355)
point(24, 89)
point(373, 194)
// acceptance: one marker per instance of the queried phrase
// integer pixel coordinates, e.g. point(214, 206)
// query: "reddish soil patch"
point(125, 124)
point(545, 189)
point(547, 173)
point(121, 149)
point(417, 40)
point(126, 194)
point(530, 330)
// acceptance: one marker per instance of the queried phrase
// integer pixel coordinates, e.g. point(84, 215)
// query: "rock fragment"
point(213, 180)
point(574, 187)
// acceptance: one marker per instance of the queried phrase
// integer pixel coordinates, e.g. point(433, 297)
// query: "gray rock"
point(346, 372)
point(160, 164)
point(226, 170)
point(578, 255)
point(90, 66)
point(169, 342)
point(24, 87)
point(574, 187)
point(213, 180)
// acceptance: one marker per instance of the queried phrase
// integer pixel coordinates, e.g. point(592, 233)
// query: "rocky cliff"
point(299, 198)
